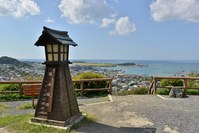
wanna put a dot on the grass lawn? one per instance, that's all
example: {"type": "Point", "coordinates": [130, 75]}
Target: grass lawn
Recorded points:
{"type": "Point", "coordinates": [20, 124]}
{"type": "Point", "coordinates": [3, 106]}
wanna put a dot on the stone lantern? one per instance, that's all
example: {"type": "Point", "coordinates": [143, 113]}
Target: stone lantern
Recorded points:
{"type": "Point", "coordinates": [57, 104]}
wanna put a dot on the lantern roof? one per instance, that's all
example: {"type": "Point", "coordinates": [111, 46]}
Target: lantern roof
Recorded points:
{"type": "Point", "coordinates": [51, 36]}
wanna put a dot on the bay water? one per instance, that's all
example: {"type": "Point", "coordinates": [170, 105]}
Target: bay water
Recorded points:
{"type": "Point", "coordinates": [154, 67]}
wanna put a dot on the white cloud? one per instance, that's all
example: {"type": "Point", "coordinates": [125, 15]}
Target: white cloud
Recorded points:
{"type": "Point", "coordinates": [85, 11]}
{"type": "Point", "coordinates": [95, 12]}
{"type": "Point", "coordinates": [116, 1]}
{"type": "Point", "coordinates": [107, 21]}
{"type": "Point", "coordinates": [123, 26]}
{"type": "Point", "coordinates": [49, 20]}
{"type": "Point", "coordinates": [18, 8]}
{"type": "Point", "coordinates": [188, 10]}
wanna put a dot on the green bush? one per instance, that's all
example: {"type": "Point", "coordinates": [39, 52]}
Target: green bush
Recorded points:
{"type": "Point", "coordinates": [193, 74]}
{"type": "Point", "coordinates": [171, 82]}
{"type": "Point", "coordinates": [193, 83]}
{"type": "Point", "coordinates": [92, 84]}
{"type": "Point", "coordinates": [163, 91]}
{"type": "Point", "coordinates": [13, 97]}
{"type": "Point", "coordinates": [9, 87]}
{"type": "Point", "coordinates": [135, 91]}
{"type": "Point", "coordinates": [90, 75]}
{"type": "Point", "coordinates": [188, 91]}
{"type": "Point", "coordinates": [192, 92]}
{"type": "Point", "coordinates": [140, 91]}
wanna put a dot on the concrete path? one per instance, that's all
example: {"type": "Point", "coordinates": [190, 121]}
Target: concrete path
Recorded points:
{"type": "Point", "coordinates": [144, 114]}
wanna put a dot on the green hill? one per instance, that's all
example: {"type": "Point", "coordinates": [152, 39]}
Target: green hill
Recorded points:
{"type": "Point", "coordinates": [126, 64]}
{"type": "Point", "coordinates": [12, 61]}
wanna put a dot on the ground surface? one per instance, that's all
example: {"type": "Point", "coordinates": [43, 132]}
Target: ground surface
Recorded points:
{"type": "Point", "coordinates": [137, 114]}
{"type": "Point", "coordinates": [145, 114]}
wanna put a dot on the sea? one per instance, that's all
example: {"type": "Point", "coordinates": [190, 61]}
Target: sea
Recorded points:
{"type": "Point", "coordinates": [153, 68]}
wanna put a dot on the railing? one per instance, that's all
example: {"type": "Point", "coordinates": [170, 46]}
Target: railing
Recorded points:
{"type": "Point", "coordinates": [19, 83]}
{"type": "Point", "coordinates": [81, 81]}
{"type": "Point", "coordinates": [153, 86]}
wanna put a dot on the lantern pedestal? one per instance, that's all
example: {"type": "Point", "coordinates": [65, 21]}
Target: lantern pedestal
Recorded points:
{"type": "Point", "coordinates": [57, 104]}
{"type": "Point", "coordinates": [71, 121]}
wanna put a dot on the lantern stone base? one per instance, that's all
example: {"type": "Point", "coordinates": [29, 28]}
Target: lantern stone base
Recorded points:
{"type": "Point", "coordinates": [71, 121]}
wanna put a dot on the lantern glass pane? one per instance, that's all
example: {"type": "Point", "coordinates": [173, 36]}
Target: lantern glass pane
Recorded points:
{"type": "Point", "coordinates": [49, 48]}
{"type": "Point", "coordinates": [65, 57]}
{"type": "Point", "coordinates": [65, 49]}
{"type": "Point", "coordinates": [50, 57]}
{"type": "Point", "coordinates": [55, 57]}
{"type": "Point", "coordinates": [55, 48]}
{"type": "Point", "coordinates": [62, 48]}
{"type": "Point", "coordinates": [62, 57]}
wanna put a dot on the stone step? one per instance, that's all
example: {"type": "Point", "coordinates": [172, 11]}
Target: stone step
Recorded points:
{"type": "Point", "coordinates": [43, 113]}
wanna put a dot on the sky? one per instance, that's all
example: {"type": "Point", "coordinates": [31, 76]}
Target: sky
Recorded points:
{"type": "Point", "coordinates": [103, 29]}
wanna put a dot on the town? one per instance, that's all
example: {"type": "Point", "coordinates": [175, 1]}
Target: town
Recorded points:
{"type": "Point", "coordinates": [35, 71]}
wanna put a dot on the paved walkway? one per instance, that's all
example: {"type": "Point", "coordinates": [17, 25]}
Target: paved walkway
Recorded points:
{"type": "Point", "coordinates": [13, 107]}
{"type": "Point", "coordinates": [144, 114]}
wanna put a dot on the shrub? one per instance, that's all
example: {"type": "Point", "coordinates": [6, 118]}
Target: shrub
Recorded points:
{"type": "Point", "coordinates": [171, 82]}
{"type": "Point", "coordinates": [135, 91]}
{"type": "Point", "coordinates": [92, 84]}
{"type": "Point", "coordinates": [188, 92]}
{"type": "Point", "coordinates": [163, 91]}
{"type": "Point", "coordinates": [13, 97]}
{"type": "Point", "coordinates": [140, 91]}
{"type": "Point", "coordinates": [89, 75]}
{"type": "Point", "coordinates": [9, 87]}
{"type": "Point", "coordinates": [193, 83]}
{"type": "Point", "coordinates": [192, 92]}
{"type": "Point", "coordinates": [193, 74]}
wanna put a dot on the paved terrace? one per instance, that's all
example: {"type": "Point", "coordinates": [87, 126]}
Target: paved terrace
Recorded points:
{"type": "Point", "coordinates": [145, 114]}
{"type": "Point", "coordinates": [137, 114]}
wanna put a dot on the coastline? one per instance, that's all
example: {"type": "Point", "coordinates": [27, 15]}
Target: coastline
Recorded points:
{"type": "Point", "coordinates": [155, 67]}
{"type": "Point", "coordinates": [125, 76]}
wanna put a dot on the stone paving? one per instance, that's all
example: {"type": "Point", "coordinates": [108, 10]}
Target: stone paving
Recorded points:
{"type": "Point", "coordinates": [144, 114]}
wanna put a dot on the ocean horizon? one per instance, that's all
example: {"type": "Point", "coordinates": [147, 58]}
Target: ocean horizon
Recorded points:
{"type": "Point", "coordinates": [154, 67]}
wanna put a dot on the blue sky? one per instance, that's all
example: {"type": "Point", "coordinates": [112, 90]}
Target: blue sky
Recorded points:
{"type": "Point", "coordinates": [104, 29]}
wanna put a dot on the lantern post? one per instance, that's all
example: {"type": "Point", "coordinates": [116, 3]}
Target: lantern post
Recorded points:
{"type": "Point", "coordinates": [57, 104]}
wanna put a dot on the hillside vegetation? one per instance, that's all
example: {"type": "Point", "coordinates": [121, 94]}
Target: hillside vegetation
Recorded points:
{"type": "Point", "coordinates": [12, 61]}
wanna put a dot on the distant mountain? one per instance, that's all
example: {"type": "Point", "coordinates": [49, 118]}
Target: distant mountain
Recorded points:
{"type": "Point", "coordinates": [12, 61]}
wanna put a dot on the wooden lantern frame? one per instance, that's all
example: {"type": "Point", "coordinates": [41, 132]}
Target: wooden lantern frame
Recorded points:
{"type": "Point", "coordinates": [57, 104]}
